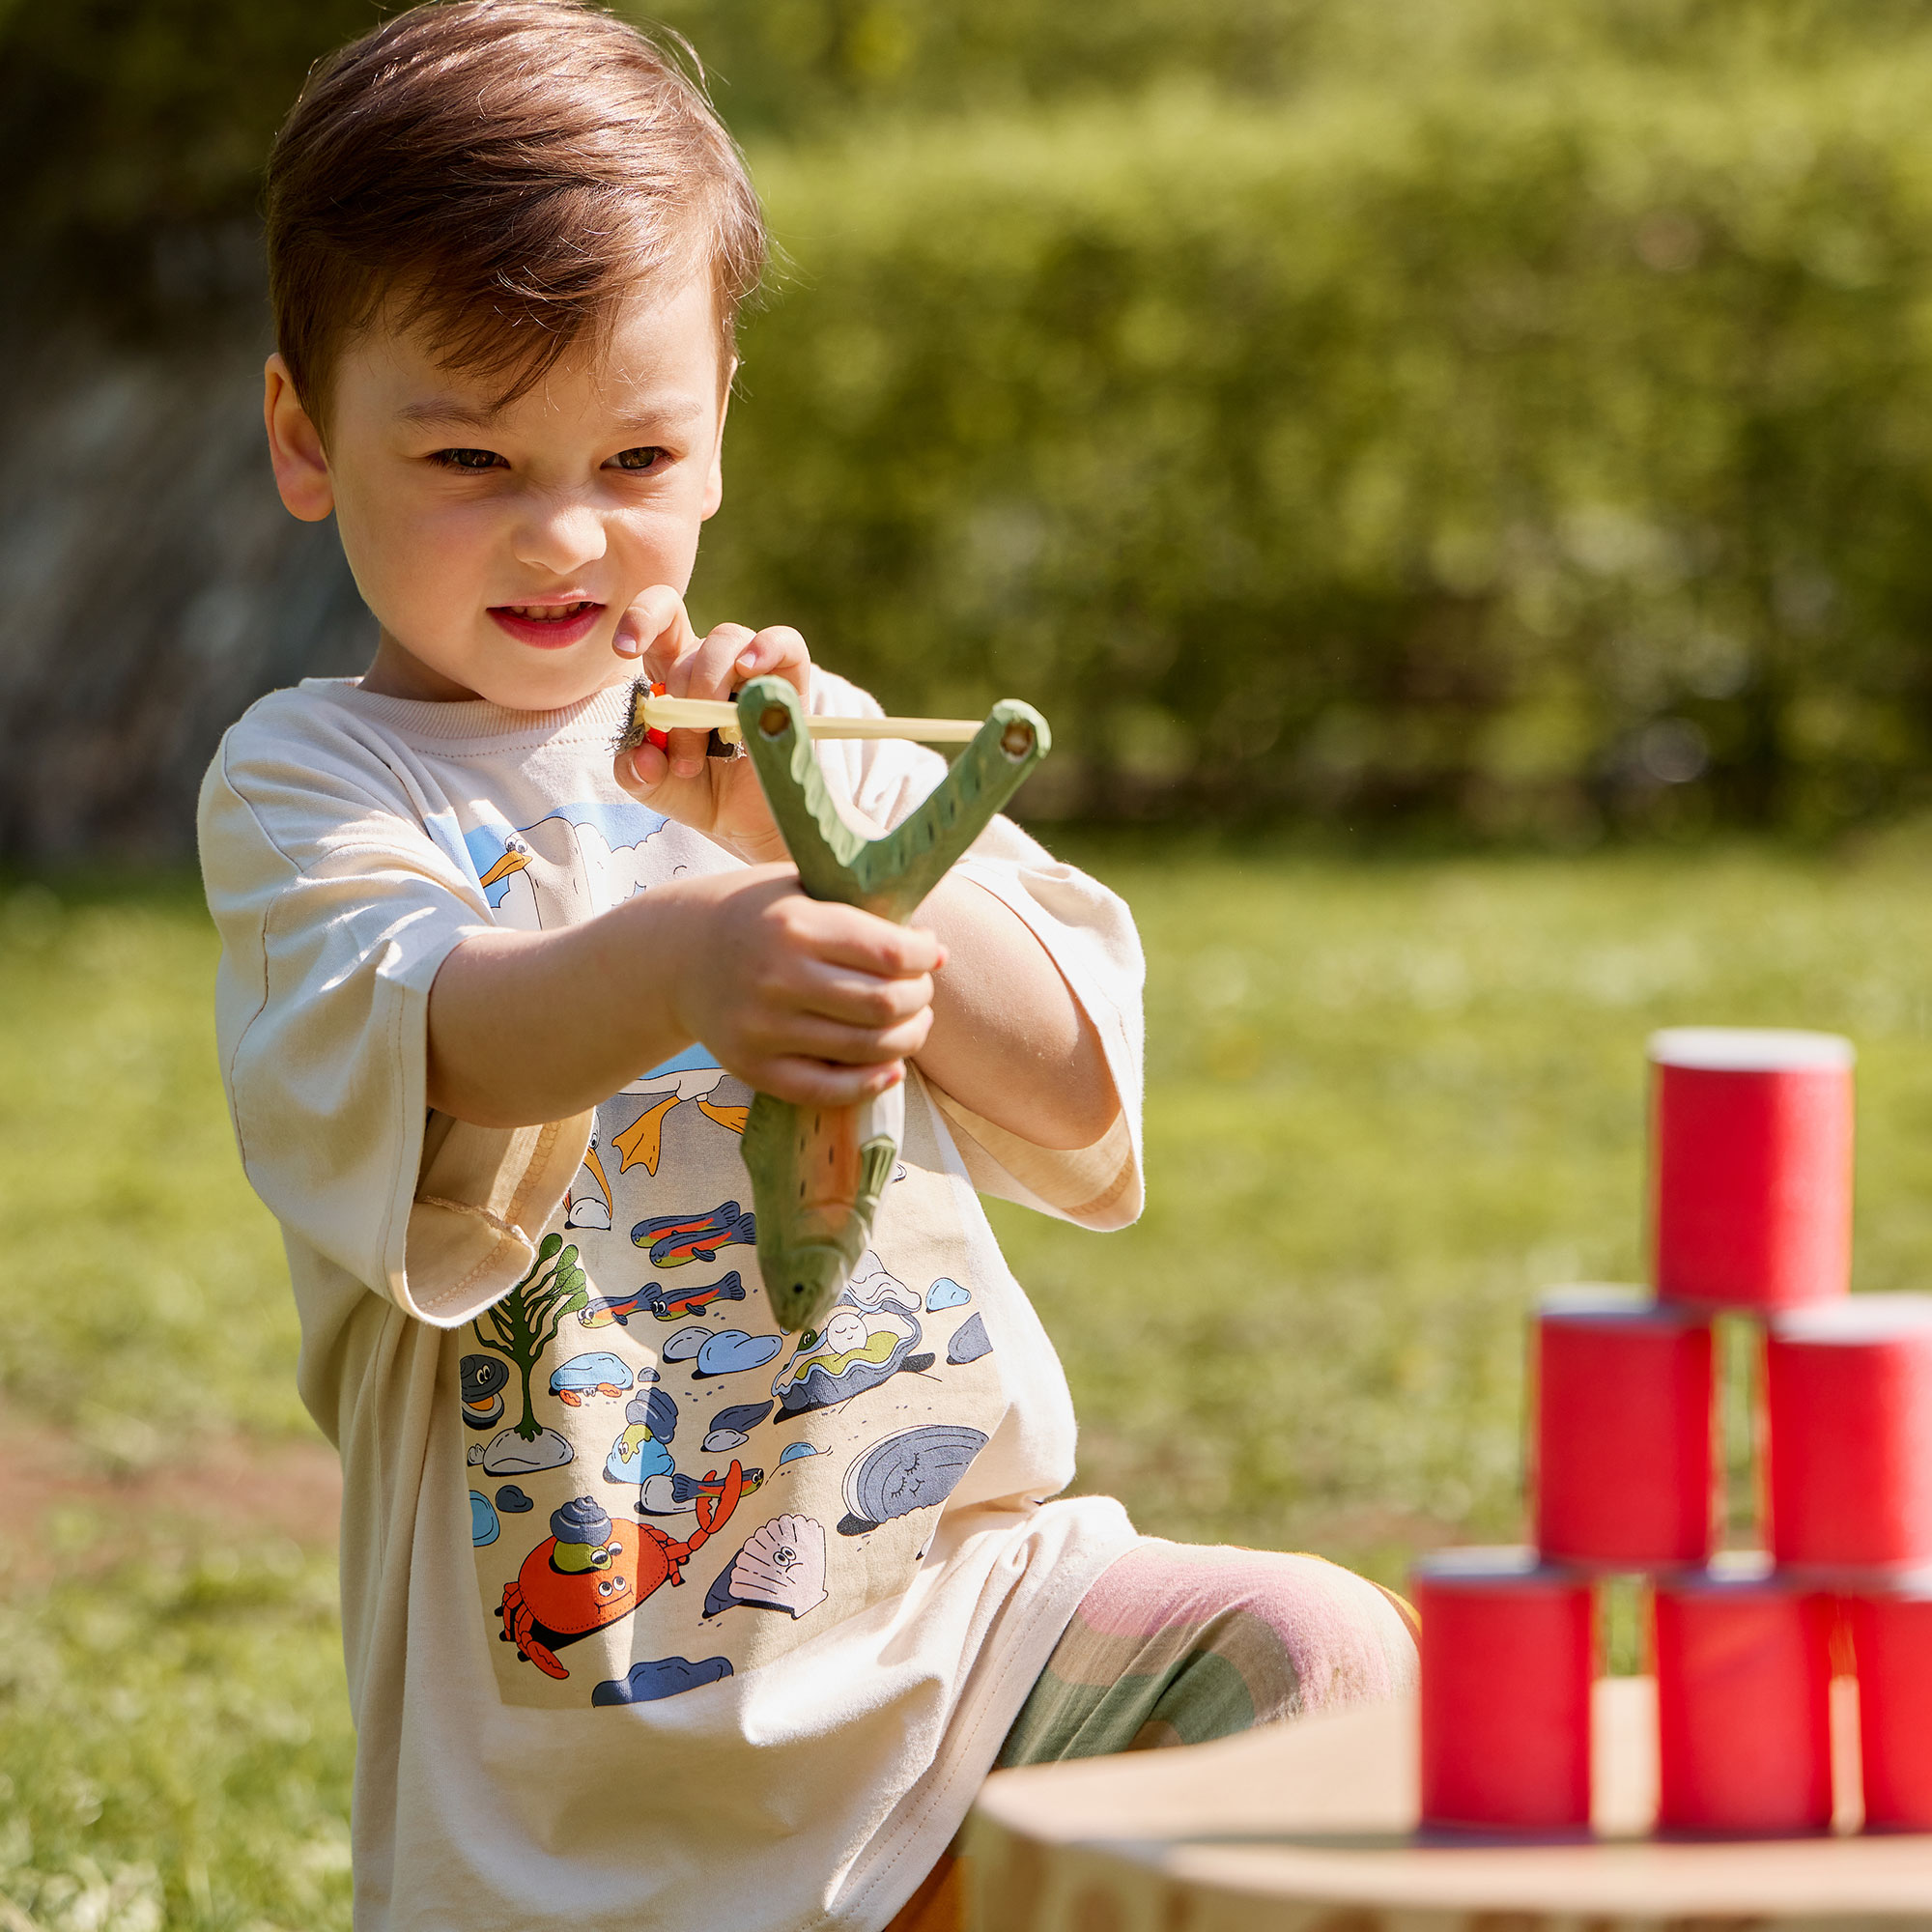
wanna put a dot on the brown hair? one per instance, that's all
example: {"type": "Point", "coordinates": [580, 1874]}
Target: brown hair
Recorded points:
{"type": "Point", "coordinates": [504, 173]}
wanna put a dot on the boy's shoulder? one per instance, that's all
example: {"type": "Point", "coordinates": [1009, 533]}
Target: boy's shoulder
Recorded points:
{"type": "Point", "coordinates": [301, 768]}
{"type": "Point", "coordinates": [311, 714]}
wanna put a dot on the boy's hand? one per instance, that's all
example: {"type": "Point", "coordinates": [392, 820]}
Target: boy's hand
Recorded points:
{"type": "Point", "coordinates": [815, 1003]}
{"type": "Point", "coordinates": [718, 797]}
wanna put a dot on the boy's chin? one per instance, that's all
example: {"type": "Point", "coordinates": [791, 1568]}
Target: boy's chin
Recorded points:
{"type": "Point", "coordinates": [503, 673]}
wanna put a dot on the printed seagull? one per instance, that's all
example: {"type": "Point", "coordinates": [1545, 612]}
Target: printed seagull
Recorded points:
{"type": "Point", "coordinates": [690, 1075]}
{"type": "Point", "coordinates": [584, 1207]}
{"type": "Point", "coordinates": [545, 874]}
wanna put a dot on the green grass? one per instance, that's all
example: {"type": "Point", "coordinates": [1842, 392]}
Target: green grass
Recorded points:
{"type": "Point", "coordinates": [1388, 1101]}
{"type": "Point", "coordinates": [175, 1747]}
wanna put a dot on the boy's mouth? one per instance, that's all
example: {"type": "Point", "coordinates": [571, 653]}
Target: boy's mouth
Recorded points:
{"type": "Point", "coordinates": [548, 626]}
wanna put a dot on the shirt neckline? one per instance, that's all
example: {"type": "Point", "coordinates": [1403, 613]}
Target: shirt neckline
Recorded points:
{"type": "Point", "coordinates": [474, 720]}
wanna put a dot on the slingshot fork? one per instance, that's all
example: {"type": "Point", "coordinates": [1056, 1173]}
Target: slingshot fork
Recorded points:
{"type": "Point", "coordinates": [818, 1173]}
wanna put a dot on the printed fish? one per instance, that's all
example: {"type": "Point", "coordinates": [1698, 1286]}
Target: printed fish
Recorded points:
{"type": "Point", "coordinates": [674, 1239]}
{"type": "Point", "coordinates": [673, 1304]}
{"type": "Point", "coordinates": [667, 1304]}
{"type": "Point", "coordinates": [605, 1309]}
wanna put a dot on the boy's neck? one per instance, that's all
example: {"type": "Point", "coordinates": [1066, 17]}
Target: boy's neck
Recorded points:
{"type": "Point", "coordinates": [396, 672]}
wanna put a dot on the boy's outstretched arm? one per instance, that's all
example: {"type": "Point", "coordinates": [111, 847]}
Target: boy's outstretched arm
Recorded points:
{"type": "Point", "coordinates": [814, 1002]}
{"type": "Point", "coordinates": [1009, 1039]}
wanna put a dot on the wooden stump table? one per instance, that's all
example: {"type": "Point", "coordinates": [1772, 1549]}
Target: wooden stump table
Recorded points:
{"type": "Point", "coordinates": [1311, 1827]}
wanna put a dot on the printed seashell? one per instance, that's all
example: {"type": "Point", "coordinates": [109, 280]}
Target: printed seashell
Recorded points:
{"type": "Point", "coordinates": [968, 1343]}
{"type": "Point", "coordinates": [918, 1468]}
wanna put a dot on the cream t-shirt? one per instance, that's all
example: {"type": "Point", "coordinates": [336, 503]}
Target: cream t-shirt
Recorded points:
{"type": "Point", "coordinates": [654, 1616]}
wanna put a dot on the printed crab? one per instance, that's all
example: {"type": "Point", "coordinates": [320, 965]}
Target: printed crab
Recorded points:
{"type": "Point", "coordinates": [607, 1570]}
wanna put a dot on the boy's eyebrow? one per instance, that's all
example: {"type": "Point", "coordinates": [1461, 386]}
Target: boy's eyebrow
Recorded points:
{"type": "Point", "coordinates": [673, 411]}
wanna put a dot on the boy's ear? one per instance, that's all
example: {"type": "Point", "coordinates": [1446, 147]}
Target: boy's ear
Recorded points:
{"type": "Point", "coordinates": [295, 448]}
{"type": "Point", "coordinates": [713, 483]}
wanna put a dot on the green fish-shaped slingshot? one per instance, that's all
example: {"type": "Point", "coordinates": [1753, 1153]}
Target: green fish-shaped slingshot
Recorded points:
{"type": "Point", "coordinates": [817, 1173]}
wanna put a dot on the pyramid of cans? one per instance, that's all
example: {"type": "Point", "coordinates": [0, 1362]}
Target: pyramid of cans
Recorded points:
{"type": "Point", "coordinates": [1751, 1195]}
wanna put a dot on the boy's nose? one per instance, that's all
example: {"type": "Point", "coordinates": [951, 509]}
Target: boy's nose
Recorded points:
{"type": "Point", "coordinates": [559, 534]}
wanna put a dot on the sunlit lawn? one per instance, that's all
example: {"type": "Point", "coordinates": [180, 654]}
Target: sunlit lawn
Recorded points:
{"type": "Point", "coordinates": [1387, 1102]}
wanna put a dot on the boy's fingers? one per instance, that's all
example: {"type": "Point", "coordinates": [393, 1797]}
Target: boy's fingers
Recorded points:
{"type": "Point", "coordinates": [892, 953]}
{"type": "Point", "coordinates": [864, 999]}
{"type": "Point", "coordinates": [642, 770]}
{"type": "Point", "coordinates": [779, 650]}
{"type": "Point", "coordinates": [842, 935]}
{"type": "Point", "coordinates": [840, 1046]}
{"type": "Point", "coordinates": [711, 672]}
{"type": "Point", "coordinates": [705, 672]}
{"type": "Point", "coordinates": [811, 1083]}
{"type": "Point", "coordinates": [659, 627]}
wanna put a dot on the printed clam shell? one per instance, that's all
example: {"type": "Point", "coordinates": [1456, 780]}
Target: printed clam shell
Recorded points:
{"type": "Point", "coordinates": [918, 1468]}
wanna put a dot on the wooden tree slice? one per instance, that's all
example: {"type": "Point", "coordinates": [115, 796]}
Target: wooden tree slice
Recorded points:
{"type": "Point", "coordinates": [1311, 1827]}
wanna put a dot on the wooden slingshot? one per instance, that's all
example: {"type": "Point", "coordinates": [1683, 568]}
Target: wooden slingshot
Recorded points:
{"type": "Point", "coordinates": [818, 1173]}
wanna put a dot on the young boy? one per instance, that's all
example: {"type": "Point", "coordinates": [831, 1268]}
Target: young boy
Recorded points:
{"type": "Point", "coordinates": [655, 1616]}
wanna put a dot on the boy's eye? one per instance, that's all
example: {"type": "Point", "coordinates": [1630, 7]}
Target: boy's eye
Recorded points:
{"type": "Point", "coordinates": [638, 458]}
{"type": "Point", "coordinates": [468, 459]}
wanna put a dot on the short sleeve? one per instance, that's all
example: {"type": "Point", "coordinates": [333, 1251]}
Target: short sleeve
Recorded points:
{"type": "Point", "coordinates": [336, 909]}
{"type": "Point", "coordinates": [1088, 934]}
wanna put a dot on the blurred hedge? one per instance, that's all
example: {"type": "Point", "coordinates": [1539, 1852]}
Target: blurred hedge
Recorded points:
{"type": "Point", "coordinates": [1470, 409]}
{"type": "Point", "coordinates": [1542, 453]}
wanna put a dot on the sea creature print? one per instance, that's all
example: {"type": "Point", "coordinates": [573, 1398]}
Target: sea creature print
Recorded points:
{"type": "Point", "coordinates": [664, 1304]}
{"type": "Point", "coordinates": [586, 1375]}
{"type": "Point", "coordinates": [674, 1241]}
{"type": "Point", "coordinates": [869, 1336]}
{"type": "Point", "coordinates": [674, 1305]}
{"type": "Point", "coordinates": [782, 1567]}
{"type": "Point", "coordinates": [484, 1379]}
{"type": "Point", "coordinates": [642, 1454]}
{"type": "Point", "coordinates": [913, 1469]}
{"type": "Point", "coordinates": [590, 1202]}
{"type": "Point", "coordinates": [571, 863]}
{"type": "Point", "coordinates": [693, 1075]}
{"type": "Point", "coordinates": [551, 1604]}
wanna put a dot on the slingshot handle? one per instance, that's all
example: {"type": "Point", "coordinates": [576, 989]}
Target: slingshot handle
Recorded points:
{"type": "Point", "coordinates": [818, 1174]}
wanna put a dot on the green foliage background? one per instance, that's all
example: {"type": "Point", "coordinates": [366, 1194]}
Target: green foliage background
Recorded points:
{"type": "Point", "coordinates": [1461, 410]}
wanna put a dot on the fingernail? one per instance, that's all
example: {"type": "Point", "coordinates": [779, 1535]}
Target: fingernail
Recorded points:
{"type": "Point", "coordinates": [748, 662]}
{"type": "Point", "coordinates": [626, 647]}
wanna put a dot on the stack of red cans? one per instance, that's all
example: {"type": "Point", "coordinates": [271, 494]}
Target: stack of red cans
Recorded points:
{"type": "Point", "coordinates": [1751, 1222]}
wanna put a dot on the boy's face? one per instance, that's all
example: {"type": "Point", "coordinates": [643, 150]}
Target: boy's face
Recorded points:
{"type": "Point", "coordinates": [498, 547]}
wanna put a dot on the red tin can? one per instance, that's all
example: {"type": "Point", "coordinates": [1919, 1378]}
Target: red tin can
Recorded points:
{"type": "Point", "coordinates": [1623, 1470]}
{"type": "Point", "coordinates": [1751, 1166]}
{"type": "Point", "coordinates": [1891, 1637]}
{"type": "Point", "coordinates": [1744, 1722]}
{"type": "Point", "coordinates": [1848, 1390]}
{"type": "Point", "coordinates": [1507, 1652]}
